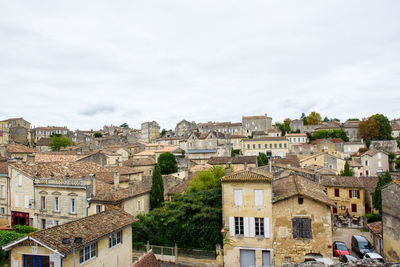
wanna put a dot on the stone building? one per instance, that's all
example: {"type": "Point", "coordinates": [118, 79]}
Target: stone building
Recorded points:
{"type": "Point", "coordinates": [47, 131]}
{"type": "Point", "coordinates": [374, 162]}
{"type": "Point", "coordinates": [256, 123]}
{"type": "Point", "coordinates": [238, 163]}
{"type": "Point", "coordinates": [150, 131]}
{"type": "Point", "coordinates": [222, 127]}
{"type": "Point", "coordinates": [351, 130]}
{"type": "Point", "coordinates": [184, 128]}
{"type": "Point", "coordinates": [271, 146]}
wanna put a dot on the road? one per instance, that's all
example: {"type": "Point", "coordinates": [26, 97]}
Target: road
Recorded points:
{"type": "Point", "coordinates": [345, 234]}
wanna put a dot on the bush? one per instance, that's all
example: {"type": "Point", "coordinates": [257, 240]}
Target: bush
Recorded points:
{"type": "Point", "coordinates": [7, 237]}
{"type": "Point", "coordinates": [373, 217]}
{"type": "Point", "coordinates": [24, 229]}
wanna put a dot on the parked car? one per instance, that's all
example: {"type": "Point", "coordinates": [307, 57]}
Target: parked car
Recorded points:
{"type": "Point", "coordinates": [360, 245]}
{"type": "Point", "coordinates": [339, 248]}
{"type": "Point", "coordinates": [347, 258]}
{"type": "Point", "coordinates": [373, 255]}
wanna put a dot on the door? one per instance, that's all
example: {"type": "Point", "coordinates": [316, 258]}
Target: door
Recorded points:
{"type": "Point", "coordinates": [247, 257]}
{"type": "Point", "coordinates": [353, 207]}
{"type": "Point", "coordinates": [266, 258]}
{"type": "Point", "coordinates": [21, 218]}
{"type": "Point", "coordinates": [36, 261]}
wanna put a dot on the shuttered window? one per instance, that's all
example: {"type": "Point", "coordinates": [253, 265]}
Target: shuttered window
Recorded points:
{"type": "Point", "coordinates": [258, 197]}
{"type": "Point", "coordinates": [237, 197]}
{"type": "Point", "coordinates": [302, 228]}
{"type": "Point", "coordinates": [239, 226]}
{"type": "Point", "coordinates": [337, 192]}
{"type": "Point", "coordinates": [259, 225]}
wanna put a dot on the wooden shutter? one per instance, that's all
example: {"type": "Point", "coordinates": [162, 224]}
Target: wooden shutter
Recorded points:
{"type": "Point", "coordinates": [27, 202]}
{"type": "Point", "coordinates": [258, 197]}
{"type": "Point", "coordinates": [231, 226]}
{"type": "Point", "coordinates": [252, 227]}
{"type": "Point", "coordinates": [358, 193]}
{"type": "Point", "coordinates": [350, 193]}
{"type": "Point", "coordinates": [237, 197]}
{"type": "Point", "coordinates": [302, 228]}
{"type": "Point", "coordinates": [16, 201]}
{"type": "Point", "coordinates": [246, 226]}
{"type": "Point", "coordinates": [307, 230]}
{"type": "Point", "coordinates": [266, 228]}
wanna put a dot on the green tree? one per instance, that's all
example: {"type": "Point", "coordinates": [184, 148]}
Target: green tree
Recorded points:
{"type": "Point", "coordinates": [398, 143]}
{"type": "Point", "coordinates": [98, 134]}
{"type": "Point", "coordinates": [208, 179]}
{"type": "Point", "coordinates": [124, 125]}
{"type": "Point", "coordinates": [167, 163]}
{"type": "Point", "coordinates": [7, 237]}
{"type": "Point", "coordinates": [56, 142]}
{"type": "Point", "coordinates": [284, 127]}
{"type": "Point", "coordinates": [163, 132]}
{"type": "Point", "coordinates": [314, 118]}
{"type": "Point", "coordinates": [157, 189]}
{"type": "Point", "coordinates": [385, 129]}
{"type": "Point", "coordinates": [262, 159]}
{"type": "Point", "coordinates": [303, 118]}
{"type": "Point", "coordinates": [336, 133]}
{"type": "Point", "coordinates": [376, 195]}
{"type": "Point", "coordinates": [235, 152]}
{"type": "Point", "coordinates": [346, 171]}
{"type": "Point", "coordinates": [369, 129]}
{"type": "Point", "coordinates": [353, 119]}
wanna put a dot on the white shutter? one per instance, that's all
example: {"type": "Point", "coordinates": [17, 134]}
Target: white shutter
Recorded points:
{"type": "Point", "coordinates": [3, 191]}
{"type": "Point", "coordinates": [266, 228]}
{"type": "Point", "coordinates": [19, 180]}
{"type": "Point", "coordinates": [231, 226]}
{"type": "Point", "coordinates": [26, 202]}
{"type": "Point", "coordinates": [238, 197]}
{"type": "Point", "coordinates": [16, 201]}
{"type": "Point", "coordinates": [246, 226]}
{"type": "Point", "coordinates": [258, 197]}
{"type": "Point", "coordinates": [252, 227]}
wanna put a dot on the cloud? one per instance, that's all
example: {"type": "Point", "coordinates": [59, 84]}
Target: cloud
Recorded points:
{"type": "Point", "coordinates": [96, 110]}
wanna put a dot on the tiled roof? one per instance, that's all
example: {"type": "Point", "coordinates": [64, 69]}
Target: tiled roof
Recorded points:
{"type": "Point", "coordinates": [105, 192]}
{"type": "Point", "coordinates": [147, 260]}
{"type": "Point", "coordinates": [248, 176]}
{"type": "Point", "coordinates": [369, 183]}
{"type": "Point", "coordinates": [44, 141]}
{"type": "Point", "coordinates": [333, 140]}
{"type": "Point", "coordinates": [294, 185]}
{"type": "Point", "coordinates": [123, 170]}
{"type": "Point", "coordinates": [89, 228]}
{"type": "Point", "coordinates": [376, 228]}
{"type": "Point", "coordinates": [139, 162]}
{"type": "Point", "coordinates": [293, 160]}
{"type": "Point", "coordinates": [14, 148]}
{"type": "Point", "coordinates": [396, 127]}
{"type": "Point", "coordinates": [354, 163]}
{"type": "Point", "coordinates": [233, 160]}
{"type": "Point", "coordinates": [272, 138]}
{"type": "Point", "coordinates": [341, 181]}
{"type": "Point", "coordinates": [42, 157]}
{"type": "Point", "coordinates": [372, 152]}
{"type": "Point", "coordinates": [3, 167]}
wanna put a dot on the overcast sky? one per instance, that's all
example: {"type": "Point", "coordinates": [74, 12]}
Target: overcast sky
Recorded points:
{"type": "Point", "coordinates": [85, 64]}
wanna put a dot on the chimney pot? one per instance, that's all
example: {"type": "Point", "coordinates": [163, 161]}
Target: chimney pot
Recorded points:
{"type": "Point", "coordinates": [116, 179]}
{"type": "Point", "coordinates": [93, 179]}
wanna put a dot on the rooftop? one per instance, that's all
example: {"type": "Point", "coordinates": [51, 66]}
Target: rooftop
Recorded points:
{"type": "Point", "coordinates": [233, 160]}
{"type": "Point", "coordinates": [341, 181]}
{"type": "Point", "coordinates": [15, 148]}
{"type": "Point", "coordinates": [248, 176]}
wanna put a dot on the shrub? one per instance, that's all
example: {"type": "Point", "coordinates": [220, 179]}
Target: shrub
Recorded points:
{"type": "Point", "coordinates": [7, 237]}
{"type": "Point", "coordinates": [373, 217]}
{"type": "Point", "coordinates": [24, 229]}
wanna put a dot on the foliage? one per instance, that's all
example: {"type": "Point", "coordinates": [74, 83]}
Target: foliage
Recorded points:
{"type": "Point", "coordinates": [296, 131]}
{"type": "Point", "coordinates": [208, 179]}
{"type": "Point", "coordinates": [368, 129]}
{"type": "Point", "coordinates": [392, 157]}
{"type": "Point", "coordinates": [353, 119]}
{"type": "Point", "coordinates": [398, 143]}
{"type": "Point", "coordinates": [167, 163]}
{"type": "Point", "coordinates": [7, 237]}
{"type": "Point", "coordinates": [157, 189]}
{"type": "Point", "coordinates": [385, 129]}
{"type": "Point", "coordinates": [376, 195]}
{"type": "Point", "coordinates": [235, 152]}
{"type": "Point", "coordinates": [373, 217]}
{"type": "Point", "coordinates": [124, 125]}
{"type": "Point", "coordinates": [303, 118]}
{"type": "Point", "coordinates": [163, 132]}
{"type": "Point", "coordinates": [336, 133]}
{"type": "Point", "coordinates": [314, 118]}
{"type": "Point", "coordinates": [368, 143]}
{"type": "Point", "coordinates": [191, 220]}
{"type": "Point", "coordinates": [24, 229]}
{"type": "Point", "coordinates": [56, 142]}
{"type": "Point", "coordinates": [284, 127]}
{"type": "Point", "coordinates": [251, 136]}
{"type": "Point", "coordinates": [326, 119]}
{"type": "Point", "coordinates": [362, 149]}
{"type": "Point", "coordinates": [98, 134]}
{"type": "Point", "coordinates": [262, 159]}
{"type": "Point", "coordinates": [346, 171]}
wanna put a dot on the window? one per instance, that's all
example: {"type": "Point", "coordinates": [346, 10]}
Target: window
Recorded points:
{"type": "Point", "coordinates": [259, 226]}
{"type": "Point", "coordinates": [259, 145]}
{"type": "Point", "coordinates": [26, 202]}
{"type": "Point", "coordinates": [302, 228]}
{"type": "Point", "coordinates": [2, 210]}
{"type": "Point", "coordinates": [56, 204]}
{"type": "Point", "coordinates": [19, 180]}
{"type": "Point", "coordinates": [88, 253]}
{"type": "Point", "coordinates": [254, 146]}
{"type": "Point", "coordinates": [115, 239]}
{"type": "Point", "coordinates": [73, 205]}
{"type": "Point", "coordinates": [248, 146]}
{"type": "Point", "coordinates": [280, 145]}
{"type": "Point", "coordinates": [42, 202]}
{"type": "Point", "coordinates": [379, 155]}
{"type": "Point", "coordinates": [3, 191]}
{"type": "Point", "coordinates": [337, 192]}
{"type": "Point", "coordinates": [16, 201]}
{"type": "Point", "coordinates": [239, 226]}
{"type": "Point", "coordinates": [379, 164]}
{"type": "Point", "coordinates": [56, 223]}
{"type": "Point", "coordinates": [258, 197]}
{"type": "Point", "coordinates": [284, 145]}
{"type": "Point", "coordinates": [354, 193]}
{"type": "Point", "coordinates": [237, 195]}
{"type": "Point", "coordinates": [43, 224]}
{"type": "Point", "coordinates": [275, 146]}
{"type": "Point", "coordinates": [300, 200]}
{"type": "Point", "coordinates": [266, 145]}
{"type": "Point", "coordinates": [270, 145]}
{"type": "Point", "coordinates": [366, 163]}
{"type": "Point", "coordinates": [98, 208]}
{"type": "Point", "coordinates": [353, 207]}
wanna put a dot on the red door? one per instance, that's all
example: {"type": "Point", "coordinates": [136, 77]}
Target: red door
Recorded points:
{"type": "Point", "coordinates": [353, 207]}
{"type": "Point", "coordinates": [21, 218]}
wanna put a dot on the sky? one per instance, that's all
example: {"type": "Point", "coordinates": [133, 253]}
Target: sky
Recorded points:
{"type": "Point", "coordinates": [86, 64]}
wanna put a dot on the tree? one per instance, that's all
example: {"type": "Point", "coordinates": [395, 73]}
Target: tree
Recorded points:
{"type": "Point", "coordinates": [336, 133]}
{"type": "Point", "coordinates": [385, 129]}
{"type": "Point", "coordinates": [157, 189]}
{"type": "Point", "coordinates": [284, 127]}
{"type": "Point", "coordinates": [124, 125]}
{"type": "Point", "coordinates": [376, 195]}
{"type": "Point", "coordinates": [98, 135]}
{"type": "Point", "coordinates": [369, 129]}
{"type": "Point", "coordinates": [163, 132]}
{"type": "Point", "coordinates": [208, 179]}
{"type": "Point", "coordinates": [303, 118]}
{"type": "Point", "coordinates": [56, 142]}
{"type": "Point", "coordinates": [353, 119]}
{"type": "Point", "coordinates": [235, 152]}
{"type": "Point", "coordinates": [346, 171]}
{"type": "Point", "coordinates": [167, 163]}
{"type": "Point", "coordinates": [314, 118]}
{"type": "Point", "coordinates": [262, 159]}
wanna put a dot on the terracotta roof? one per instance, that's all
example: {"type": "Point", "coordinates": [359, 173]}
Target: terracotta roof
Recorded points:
{"type": "Point", "coordinates": [44, 141]}
{"type": "Point", "coordinates": [248, 176]}
{"type": "Point", "coordinates": [3, 167]}
{"type": "Point", "coordinates": [15, 149]}
{"type": "Point", "coordinates": [354, 163]}
{"type": "Point", "coordinates": [272, 138]}
{"type": "Point", "coordinates": [341, 181]}
{"type": "Point", "coordinates": [147, 260]}
{"type": "Point", "coordinates": [294, 185]}
{"type": "Point", "coordinates": [139, 162]}
{"type": "Point", "coordinates": [40, 157]}
{"type": "Point", "coordinates": [376, 228]}
{"type": "Point", "coordinates": [233, 160]}
{"type": "Point", "coordinates": [293, 160]}
{"type": "Point", "coordinates": [369, 183]}
{"type": "Point", "coordinates": [123, 170]}
{"type": "Point", "coordinates": [372, 152]}
{"type": "Point", "coordinates": [106, 192]}
{"type": "Point", "coordinates": [3, 158]}
{"type": "Point", "coordinates": [89, 228]}
{"type": "Point", "coordinates": [396, 127]}
{"type": "Point", "coordinates": [333, 140]}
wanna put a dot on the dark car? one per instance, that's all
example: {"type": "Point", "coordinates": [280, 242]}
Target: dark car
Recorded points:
{"type": "Point", "coordinates": [360, 245]}
{"type": "Point", "coordinates": [347, 258]}
{"type": "Point", "coordinates": [339, 248]}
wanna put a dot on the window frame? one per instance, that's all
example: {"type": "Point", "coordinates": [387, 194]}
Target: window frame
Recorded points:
{"type": "Point", "coordinates": [43, 203]}
{"type": "Point", "coordinates": [73, 205]}
{"type": "Point", "coordinates": [115, 239]}
{"type": "Point", "coordinates": [300, 226]}
{"type": "Point", "coordinates": [259, 227]}
{"type": "Point", "coordinates": [56, 204]}
{"type": "Point", "coordinates": [239, 226]}
{"type": "Point", "coordinates": [90, 251]}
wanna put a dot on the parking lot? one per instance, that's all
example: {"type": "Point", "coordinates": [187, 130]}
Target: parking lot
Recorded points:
{"type": "Point", "coordinates": [345, 234]}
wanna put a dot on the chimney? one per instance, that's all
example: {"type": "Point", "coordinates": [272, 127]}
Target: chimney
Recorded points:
{"type": "Point", "coordinates": [30, 159]}
{"type": "Point", "coordinates": [116, 180]}
{"type": "Point", "coordinates": [93, 179]}
{"type": "Point", "coordinates": [228, 170]}
{"type": "Point", "coordinates": [270, 165]}
{"type": "Point", "coordinates": [140, 176]}
{"type": "Point", "coordinates": [246, 168]}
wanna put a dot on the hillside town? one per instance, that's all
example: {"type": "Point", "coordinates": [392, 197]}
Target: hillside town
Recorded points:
{"type": "Point", "coordinates": [252, 192]}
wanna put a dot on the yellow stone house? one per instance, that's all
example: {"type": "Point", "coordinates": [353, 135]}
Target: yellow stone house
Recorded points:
{"type": "Point", "coordinates": [271, 146]}
{"type": "Point", "coordinates": [97, 240]}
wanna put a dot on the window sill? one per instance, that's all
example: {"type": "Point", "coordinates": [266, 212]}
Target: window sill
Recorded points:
{"type": "Point", "coordinates": [72, 213]}
{"type": "Point", "coordinates": [117, 245]}
{"type": "Point", "coordinates": [84, 262]}
{"type": "Point", "coordinates": [56, 211]}
{"type": "Point", "coordinates": [42, 210]}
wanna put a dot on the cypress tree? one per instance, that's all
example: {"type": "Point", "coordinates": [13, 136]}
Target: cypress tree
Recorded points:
{"type": "Point", "coordinates": [157, 189]}
{"type": "Point", "coordinates": [347, 171]}
{"type": "Point", "coordinates": [376, 195]}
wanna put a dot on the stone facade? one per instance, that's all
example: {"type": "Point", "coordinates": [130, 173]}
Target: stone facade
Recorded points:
{"type": "Point", "coordinates": [256, 123]}
{"type": "Point", "coordinates": [150, 131]}
{"type": "Point", "coordinates": [184, 128]}
{"type": "Point", "coordinates": [271, 146]}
